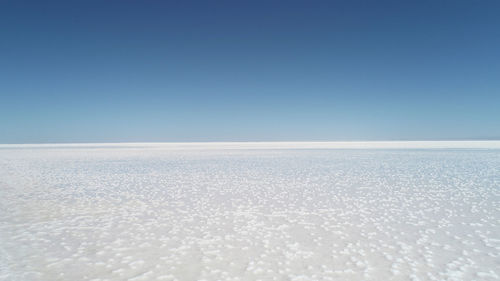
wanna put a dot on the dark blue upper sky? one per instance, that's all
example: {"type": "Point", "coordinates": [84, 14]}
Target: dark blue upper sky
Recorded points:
{"type": "Point", "coordinates": [112, 71]}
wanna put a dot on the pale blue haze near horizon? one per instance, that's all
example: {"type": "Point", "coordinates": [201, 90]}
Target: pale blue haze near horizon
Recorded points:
{"type": "Point", "coordinates": [139, 71]}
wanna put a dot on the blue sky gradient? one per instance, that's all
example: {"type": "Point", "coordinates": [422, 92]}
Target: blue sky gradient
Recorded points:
{"type": "Point", "coordinates": [118, 71]}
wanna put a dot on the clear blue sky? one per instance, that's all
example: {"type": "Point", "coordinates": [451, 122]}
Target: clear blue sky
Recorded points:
{"type": "Point", "coordinates": [116, 71]}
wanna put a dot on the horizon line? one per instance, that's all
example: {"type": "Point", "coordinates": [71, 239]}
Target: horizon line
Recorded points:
{"type": "Point", "coordinates": [259, 141]}
{"type": "Point", "coordinates": [413, 144]}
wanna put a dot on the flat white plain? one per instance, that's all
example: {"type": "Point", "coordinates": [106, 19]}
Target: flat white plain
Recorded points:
{"type": "Point", "coordinates": [249, 211]}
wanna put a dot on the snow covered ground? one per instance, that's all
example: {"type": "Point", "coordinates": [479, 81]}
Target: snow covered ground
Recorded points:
{"type": "Point", "coordinates": [249, 211]}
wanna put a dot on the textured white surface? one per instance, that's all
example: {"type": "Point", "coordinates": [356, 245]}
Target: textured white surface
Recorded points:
{"type": "Point", "coordinates": [262, 211]}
